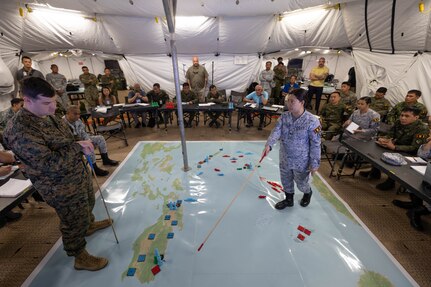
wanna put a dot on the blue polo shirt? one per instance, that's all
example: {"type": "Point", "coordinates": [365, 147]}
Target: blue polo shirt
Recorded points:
{"type": "Point", "coordinates": [253, 96]}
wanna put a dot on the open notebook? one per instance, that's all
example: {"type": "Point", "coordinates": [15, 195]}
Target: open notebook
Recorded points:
{"type": "Point", "coordinates": [14, 187]}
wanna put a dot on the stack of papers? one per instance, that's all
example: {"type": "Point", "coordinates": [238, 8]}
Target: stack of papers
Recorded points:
{"type": "Point", "coordinates": [206, 104]}
{"type": "Point", "coordinates": [415, 159]}
{"type": "Point", "coordinates": [273, 109]}
{"type": "Point", "coordinates": [14, 187]}
{"type": "Point", "coordinates": [278, 106]}
{"type": "Point", "coordinates": [419, 168]}
{"type": "Point", "coordinates": [102, 110]}
{"type": "Point", "coordinates": [352, 127]}
{"type": "Point", "coordinates": [251, 105]}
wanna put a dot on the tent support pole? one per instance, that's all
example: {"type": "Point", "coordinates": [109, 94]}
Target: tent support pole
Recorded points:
{"type": "Point", "coordinates": [170, 9]}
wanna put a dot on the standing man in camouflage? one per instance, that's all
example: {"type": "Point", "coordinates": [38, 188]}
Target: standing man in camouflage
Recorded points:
{"type": "Point", "coordinates": [27, 71]}
{"type": "Point", "coordinates": [411, 100]}
{"type": "Point", "coordinates": [280, 73]}
{"type": "Point", "coordinates": [197, 78]}
{"type": "Point", "coordinates": [90, 84]}
{"type": "Point", "coordinates": [299, 134]}
{"type": "Point", "coordinates": [331, 116]}
{"type": "Point", "coordinates": [6, 115]}
{"type": "Point", "coordinates": [59, 82]}
{"type": "Point", "coordinates": [317, 77]}
{"type": "Point", "coordinates": [53, 162]}
{"type": "Point", "coordinates": [380, 104]}
{"type": "Point", "coordinates": [108, 80]}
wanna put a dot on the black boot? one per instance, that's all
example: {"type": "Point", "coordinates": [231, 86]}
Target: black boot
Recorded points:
{"type": "Point", "coordinates": [99, 171]}
{"type": "Point", "coordinates": [386, 185]}
{"type": "Point", "coordinates": [285, 203]}
{"type": "Point", "coordinates": [306, 198]}
{"type": "Point", "coordinates": [107, 161]}
{"type": "Point", "coordinates": [415, 202]}
{"type": "Point", "coordinates": [415, 217]}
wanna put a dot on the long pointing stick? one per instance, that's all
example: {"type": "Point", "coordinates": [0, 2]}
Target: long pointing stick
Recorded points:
{"type": "Point", "coordinates": [229, 205]}
{"type": "Point", "coordinates": [88, 157]}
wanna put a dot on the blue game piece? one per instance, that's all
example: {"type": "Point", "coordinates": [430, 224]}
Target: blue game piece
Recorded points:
{"type": "Point", "coordinates": [179, 201]}
{"type": "Point", "coordinates": [167, 217]}
{"type": "Point", "coordinates": [200, 173]}
{"type": "Point", "coordinates": [190, 199]}
{"type": "Point", "coordinates": [131, 272]}
{"type": "Point", "coordinates": [174, 222]}
{"type": "Point", "coordinates": [141, 258]}
{"type": "Point", "coordinates": [221, 174]}
{"type": "Point", "coordinates": [170, 235]}
{"type": "Point", "coordinates": [234, 158]}
{"type": "Point", "coordinates": [151, 236]}
{"type": "Point", "coordinates": [199, 166]}
{"type": "Point", "coordinates": [221, 149]}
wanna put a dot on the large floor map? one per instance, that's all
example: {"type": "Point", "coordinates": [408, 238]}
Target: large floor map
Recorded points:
{"type": "Point", "coordinates": [156, 205]}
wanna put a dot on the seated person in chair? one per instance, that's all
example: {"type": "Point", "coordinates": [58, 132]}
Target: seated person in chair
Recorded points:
{"type": "Point", "coordinates": [214, 96]}
{"type": "Point", "coordinates": [331, 116]}
{"type": "Point", "coordinates": [380, 104]}
{"type": "Point", "coordinates": [411, 100]}
{"type": "Point", "coordinates": [416, 206]}
{"type": "Point", "coordinates": [73, 121]}
{"type": "Point", "coordinates": [367, 119]}
{"type": "Point", "coordinates": [288, 87]}
{"type": "Point", "coordinates": [188, 97]}
{"type": "Point", "coordinates": [6, 115]}
{"type": "Point", "coordinates": [137, 95]}
{"type": "Point", "coordinates": [348, 98]}
{"type": "Point", "coordinates": [158, 96]}
{"type": "Point", "coordinates": [260, 97]}
{"type": "Point", "coordinates": [108, 100]}
{"type": "Point", "coordinates": [406, 135]}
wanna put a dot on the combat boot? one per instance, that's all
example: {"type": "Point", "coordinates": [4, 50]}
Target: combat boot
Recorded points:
{"type": "Point", "coordinates": [97, 225]}
{"type": "Point", "coordinates": [85, 261]}
{"type": "Point", "coordinates": [107, 161]}
{"type": "Point", "coordinates": [285, 203]}
{"type": "Point", "coordinates": [306, 198]}
{"type": "Point", "coordinates": [415, 217]}
{"type": "Point", "coordinates": [99, 171]}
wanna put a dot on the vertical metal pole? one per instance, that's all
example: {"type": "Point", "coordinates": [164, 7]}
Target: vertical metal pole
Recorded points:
{"type": "Point", "coordinates": [170, 7]}
{"type": "Point", "coordinates": [179, 102]}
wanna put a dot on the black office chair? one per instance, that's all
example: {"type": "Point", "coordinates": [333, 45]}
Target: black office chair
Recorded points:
{"type": "Point", "coordinates": [237, 97]}
{"type": "Point", "coordinates": [104, 125]}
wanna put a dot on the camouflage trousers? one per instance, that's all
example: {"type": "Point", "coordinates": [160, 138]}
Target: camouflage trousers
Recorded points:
{"type": "Point", "coordinates": [332, 129]}
{"type": "Point", "coordinates": [100, 142]}
{"type": "Point", "coordinates": [289, 177]}
{"type": "Point", "coordinates": [73, 200]}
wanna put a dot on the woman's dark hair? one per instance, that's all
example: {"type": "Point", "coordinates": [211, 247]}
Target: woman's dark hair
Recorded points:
{"type": "Point", "coordinates": [300, 94]}
{"type": "Point", "coordinates": [366, 99]}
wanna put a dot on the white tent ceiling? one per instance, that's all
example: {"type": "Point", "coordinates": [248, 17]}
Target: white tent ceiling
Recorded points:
{"type": "Point", "coordinates": [136, 30]}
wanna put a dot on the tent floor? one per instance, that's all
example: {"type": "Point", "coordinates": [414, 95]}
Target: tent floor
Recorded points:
{"type": "Point", "coordinates": [22, 246]}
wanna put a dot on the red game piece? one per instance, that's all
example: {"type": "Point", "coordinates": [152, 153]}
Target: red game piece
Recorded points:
{"type": "Point", "coordinates": [240, 156]}
{"type": "Point", "coordinates": [216, 169]}
{"type": "Point", "coordinates": [233, 161]}
{"type": "Point", "coordinates": [301, 237]}
{"type": "Point", "coordinates": [155, 270]}
{"type": "Point", "coordinates": [274, 188]}
{"type": "Point", "coordinates": [262, 196]}
{"type": "Point", "coordinates": [201, 162]}
{"type": "Point", "coordinates": [308, 232]}
{"type": "Point", "coordinates": [226, 155]}
{"type": "Point", "coordinates": [301, 228]}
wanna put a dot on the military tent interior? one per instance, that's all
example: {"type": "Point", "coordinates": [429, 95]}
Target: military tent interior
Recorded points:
{"type": "Point", "coordinates": [386, 41]}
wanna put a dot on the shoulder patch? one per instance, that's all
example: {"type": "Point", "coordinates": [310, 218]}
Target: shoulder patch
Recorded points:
{"type": "Point", "coordinates": [421, 136]}
{"type": "Point", "coordinates": [317, 130]}
{"type": "Point", "coordinates": [376, 120]}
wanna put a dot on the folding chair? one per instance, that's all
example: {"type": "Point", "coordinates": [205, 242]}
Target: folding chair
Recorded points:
{"type": "Point", "coordinates": [113, 129]}
{"type": "Point", "coordinates": [236, 97]}
{"type": "Point", "coordinates": [333, 150]}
